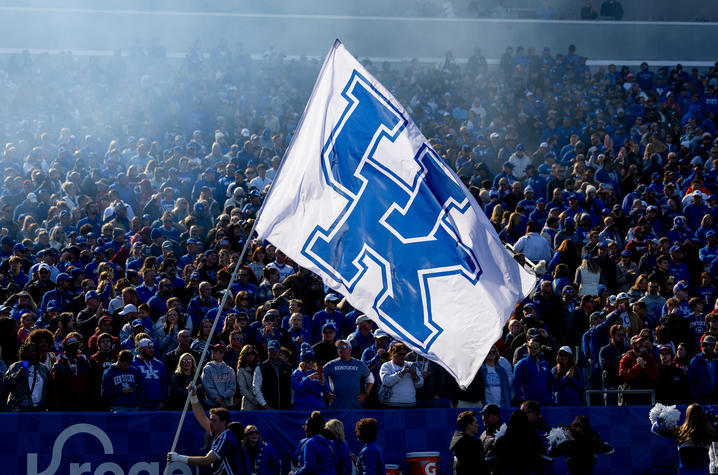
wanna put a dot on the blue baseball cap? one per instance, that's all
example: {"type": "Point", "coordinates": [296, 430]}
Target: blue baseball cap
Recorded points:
{"type": "Point", "coordinates": [63, 276]}
{"type": "Point", "coordinates": [329, 325]}
{"type": "Point", "coordinates": [681, 285]}
{"type": "Point", "coordinates": [273, 345]}
{"type": "Point", "coordinates": [91, 294]}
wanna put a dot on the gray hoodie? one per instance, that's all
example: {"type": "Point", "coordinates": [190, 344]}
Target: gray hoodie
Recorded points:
{"type": "Point", "coordinates": [219, 380]}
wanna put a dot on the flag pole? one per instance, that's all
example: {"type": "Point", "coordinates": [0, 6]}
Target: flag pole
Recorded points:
{"type": "Point", "coordinates": [209, 338]}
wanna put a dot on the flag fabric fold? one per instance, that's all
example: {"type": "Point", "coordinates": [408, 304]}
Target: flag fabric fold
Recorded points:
{"type": "Point", "coordinates": [362, 200]}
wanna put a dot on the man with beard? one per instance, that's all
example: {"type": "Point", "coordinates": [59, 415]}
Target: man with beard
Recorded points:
{"type": "Point", "coordinates": [208, 270]}
{"type": "Point", "coordinates": [100, 362]}
{"type": "Point", "coordinates": [638, 369]}
{"type": "Point", "coordinates": [89, 317]}
{"type": "Point", "coordinates": [70, 389]}
{"type": "Point", "coordinates": [62, 295]}
{"type": "Point", "coordinates": [40, 285]}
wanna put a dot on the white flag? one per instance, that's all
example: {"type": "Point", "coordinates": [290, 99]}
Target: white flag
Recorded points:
{"type": "Point", "coordinates": [362, 200]}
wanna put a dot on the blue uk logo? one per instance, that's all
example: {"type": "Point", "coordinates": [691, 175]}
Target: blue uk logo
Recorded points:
{"type": "Point", "coordinates": [403, 227]}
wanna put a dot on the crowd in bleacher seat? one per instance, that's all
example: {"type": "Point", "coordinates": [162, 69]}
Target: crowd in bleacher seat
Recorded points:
{"type": "Point", "coordinates": [130, 184]}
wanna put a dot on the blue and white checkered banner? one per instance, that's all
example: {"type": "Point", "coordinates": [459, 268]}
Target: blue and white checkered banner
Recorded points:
{"type": "Point", "coordinates": [364, 201]}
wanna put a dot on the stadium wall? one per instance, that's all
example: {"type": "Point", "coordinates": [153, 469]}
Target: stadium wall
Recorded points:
{"type": "Point", "coordinates": [105, 31]}
{"type": "Point", "coordinates": [136, 443]}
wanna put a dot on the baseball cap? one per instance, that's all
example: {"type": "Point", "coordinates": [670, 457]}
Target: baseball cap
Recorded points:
{"type": "Point", "coordinates": [273, 345]}
{"type": "Point", "coordinates": [63, 276]}
{"type": "Point", "coordinates": [380, 334]}
{"type": "Point", "coordinates": [129, 308]}
{"type": "Point", "coordinates": [70, 340]}
{"type": "Point", "coordinates": [144, 343]}
{"type": "Point", "coordinates": [622, 296]}
{"type": "Point", "coordinates": [167, 245]}
{"type": "Point", "coordinates": [218, 347]}
{"type": "Point", "coordinates": [636, 339]}
{"type": "Point", "coordinates": [491, 409]}
{"type": "Point", "coordinates": [332, 298]}
{"type": "Point", "coordinates": [508, 164]}
{"type": "Point", "coordinates": [665, 347]}
{"type": "Point", "coordinates": [566, 349]}
{"type": "Point", "coordinates": [137, 322]}
{"type": "Point", "coordinates": [681, 285]}
{"type": "Point", "coordinates": [329, 325]}
{"type": "Point", "coordinates": [91, 294]}
{"type": "Point", "coordinates": [362, 318]}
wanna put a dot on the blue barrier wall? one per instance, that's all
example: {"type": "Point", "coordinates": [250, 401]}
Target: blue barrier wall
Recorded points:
{"type": "Point", "coordinates": [136, 444]}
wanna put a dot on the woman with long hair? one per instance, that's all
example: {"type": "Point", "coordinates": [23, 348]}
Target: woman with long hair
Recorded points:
{"type": "Point", "coordinates": [566, 378]}
{"type": "Point", "coordinates": [315, 453]}
{"type": "Point", "coordinates": [694, 438]}
{"type": "Point", "coordinates": [566, 253]}
{"type": "Point", "coordinates": [260, 457]}
{"type": "Point", "coordinates": [588, 276]}
{"type": "Point", "coordinates": [496, 217]}
{"type": "Point", "coordinates": [242, 302]}
{"type": "Point", "coordinates": [639, 288]}
{"type": "Point", "coordinates": [582, 448]}
{"type": "Point", "coordinates": [202, 336]}
{"type": "Point", "coordinates": [514, 229]}
{"type": "Point", "coordinates": [258, 261]}
{"type": "Point", "coordinates": [180, 379]}
{"type": "Point", "coordinates": [497, 381]}
{"type": "Point", "coordinates": [166, 329]}
{"type": "Point", "coordinates": [342, 455]}
{"type": "Point", "coordinates": [227, 327]}
{"type": "Point", "coordinates": [248, 361]}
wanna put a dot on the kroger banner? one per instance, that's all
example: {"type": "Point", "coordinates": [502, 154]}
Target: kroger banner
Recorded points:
{"type": "Point", "coordinates": [136, 444]}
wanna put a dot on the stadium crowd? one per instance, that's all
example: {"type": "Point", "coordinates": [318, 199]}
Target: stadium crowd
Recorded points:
{"type": "Point", "coordinates": [130, 185]}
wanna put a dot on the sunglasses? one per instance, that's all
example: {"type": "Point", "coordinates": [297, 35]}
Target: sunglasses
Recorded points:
{"type": "Point", "coordinates": [344, 347]}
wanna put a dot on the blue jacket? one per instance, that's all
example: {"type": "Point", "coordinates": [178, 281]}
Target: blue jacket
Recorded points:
{"type": "Point", "coordinates": [699, 378]}
{"type": "Point", "coordinates": [532, 380]}
{"type": "Point", "coordinates": [155, 382]}
{"type": "Point", "coordinates": [268, 464]}
{"type": "Point", "coordinates": [115, 380]}
{"type": "Point", "coordinates": [370, 460]}
{"type": "Point", "coordinates": [342, 458]}
{"type": "Point", "coordinates": [567, 391]}
{"type": "Point", "coordinates": [316, 456]}
{"type": "Point", "coordinates": [308, 393]}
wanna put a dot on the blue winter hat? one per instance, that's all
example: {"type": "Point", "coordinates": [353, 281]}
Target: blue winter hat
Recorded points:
{"type": "Point", "coordinates": [155, 233]}
{"type": "Point", "coordinates": [306, 353]}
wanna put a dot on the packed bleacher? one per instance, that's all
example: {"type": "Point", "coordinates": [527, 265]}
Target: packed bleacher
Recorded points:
{"type": "Point", "coordinates": [130, 186]}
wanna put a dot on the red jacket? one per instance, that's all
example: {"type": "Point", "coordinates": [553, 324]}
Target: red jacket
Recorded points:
{"type": "Point", "coordinates": [633, 375]}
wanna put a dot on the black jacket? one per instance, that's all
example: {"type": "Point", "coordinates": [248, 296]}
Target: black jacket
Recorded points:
{"type": "Point", "coordinates": [468, 455]}
{"type": "Point", "coordinates": [276, 388]}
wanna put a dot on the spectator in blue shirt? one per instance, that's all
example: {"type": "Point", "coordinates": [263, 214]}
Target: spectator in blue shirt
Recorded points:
{"type": "Point", "coordinates": [532, 376]}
